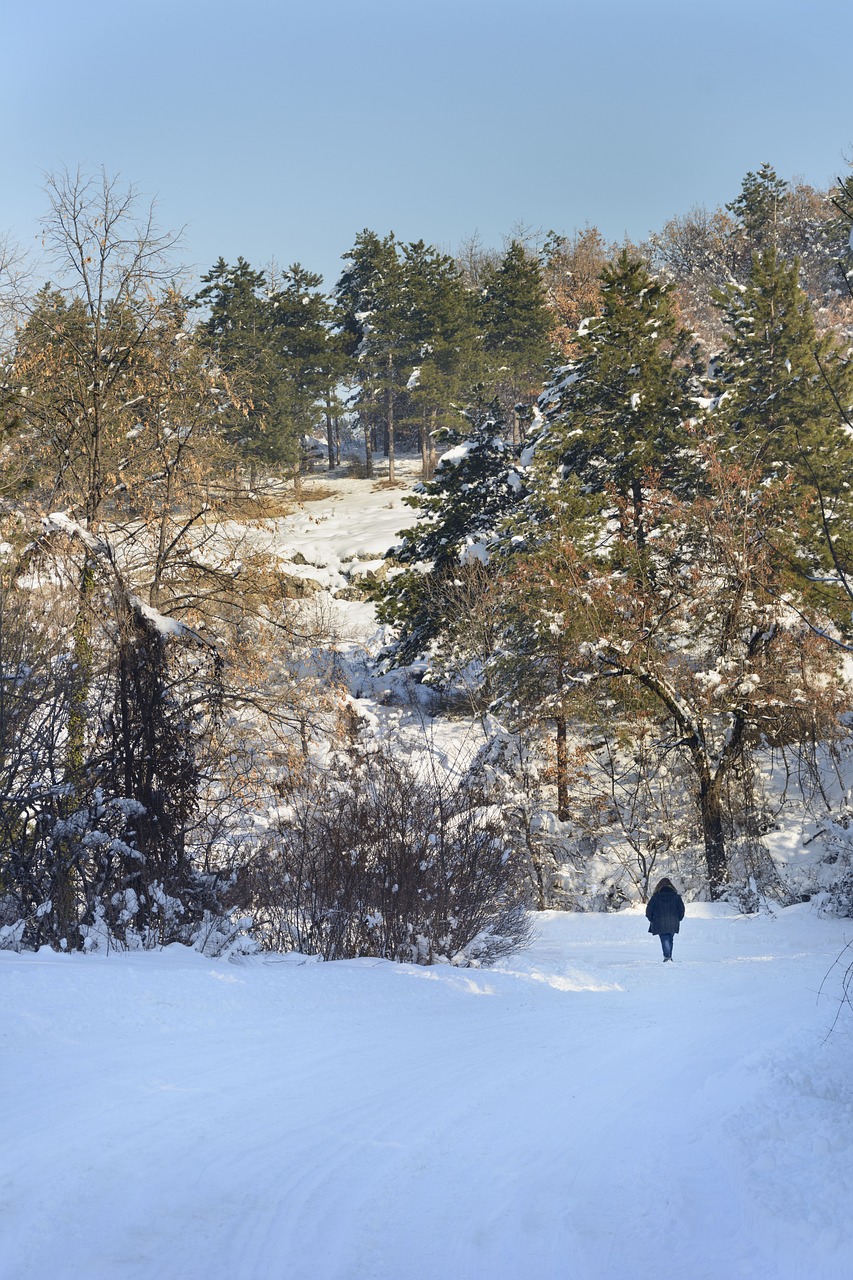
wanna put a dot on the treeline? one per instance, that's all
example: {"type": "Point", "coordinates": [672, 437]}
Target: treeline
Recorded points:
{"type": "Point", "coordinates": [410, 336]}
{"type": "Point", "coordinates": [397, 350]}
{"type": "Point", "coordinates": [651, 555]}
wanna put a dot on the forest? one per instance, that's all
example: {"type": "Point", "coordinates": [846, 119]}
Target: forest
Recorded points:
{"type": "Point", "coordinates": [627, 561]}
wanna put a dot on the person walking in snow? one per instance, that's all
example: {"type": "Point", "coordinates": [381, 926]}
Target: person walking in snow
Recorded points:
{"type": "Point", "coordinates": [665, 911]}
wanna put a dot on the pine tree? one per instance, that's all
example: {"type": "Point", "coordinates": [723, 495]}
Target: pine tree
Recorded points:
{"type": "Point", "coordinates": [516, 325]}
{"type": "Point", "coordinates": [308, 350]}
{"type": "Point", "coordinates": [617, 413]}
{"type": "Point", "coordinates": [276, 343]}
{"type": "Point", "coordinates": [407, 319]}
{"type": "Point", "coordinates": [239, 331]}
{"type": "Point", "coordinates": [782, 388]}
{"type": "Point", "coordinates": [760, 209]}
{"type": "Point", "coordinates": [371, 307]}
{"type": "Point", "coordinates": [841, 228]}
{"type": "Point", "coordinates": [442, 336]}
{"type": "Point", "coordinates": [785, 397]}
{"type": "Point", "coordinates": [459, 514]}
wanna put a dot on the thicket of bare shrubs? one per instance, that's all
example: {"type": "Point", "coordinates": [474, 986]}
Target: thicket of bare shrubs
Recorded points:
{"type": "Point", "coordinates": [371, 856]}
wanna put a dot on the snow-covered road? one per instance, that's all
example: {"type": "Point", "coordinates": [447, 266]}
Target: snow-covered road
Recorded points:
{"type": "Point", "coordinates": [584, 1112]}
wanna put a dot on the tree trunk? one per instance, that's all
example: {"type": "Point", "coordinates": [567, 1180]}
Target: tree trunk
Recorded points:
{"type": "Point", "coordinates": [67, 858]}
{"type": "Point", "coordinates": [513, 417]}
{"type": "Point", "coordinates": [368, 450]}
{"type": "Point", "coordinates": [538, 877]}
{"type": "Point", "coordinates": [330, 433]}
{"type": "Point", "coordinates": [711, 813]}
{"type": "Point", "coordinates": [389, 421]}
{"type": "Point", "coordinates": [638, 515]}
{"type": "Point", "coordinates": [562, 770]}
{"type": "Point", "coordinates": [423, 436]}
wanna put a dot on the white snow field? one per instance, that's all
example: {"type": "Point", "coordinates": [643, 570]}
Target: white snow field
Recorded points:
{"type": "Point", "coordinates": [583, 1111]}
{"type": "Point", "coordinates": [343, 525]}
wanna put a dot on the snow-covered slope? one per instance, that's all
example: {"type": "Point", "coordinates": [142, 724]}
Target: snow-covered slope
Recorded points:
{"type": "Point", "coordinates": [583, 1112]}
{"type": "Point", "coordinates": [342, 525]}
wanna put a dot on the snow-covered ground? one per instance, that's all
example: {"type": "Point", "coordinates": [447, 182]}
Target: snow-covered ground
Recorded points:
{"type": "Point", "coordinates": [341, 526]}
{"type": "Point", "coordinates": [582, 1112]}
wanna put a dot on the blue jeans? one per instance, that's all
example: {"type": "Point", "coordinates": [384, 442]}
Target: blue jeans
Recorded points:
{"type": "Point", "coordinates": [666, 944]}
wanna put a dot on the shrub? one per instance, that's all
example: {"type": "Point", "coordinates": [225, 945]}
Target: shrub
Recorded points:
{"type": "Point", "coordinates": [372, 857]}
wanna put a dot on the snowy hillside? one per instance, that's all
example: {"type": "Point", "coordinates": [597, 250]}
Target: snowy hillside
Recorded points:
{"type": "Point", "coordinates": [583, 1112]}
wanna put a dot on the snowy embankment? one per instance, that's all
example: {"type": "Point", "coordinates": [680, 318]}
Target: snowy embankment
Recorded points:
{"type": "Point", "coordinates": [581, 1112]}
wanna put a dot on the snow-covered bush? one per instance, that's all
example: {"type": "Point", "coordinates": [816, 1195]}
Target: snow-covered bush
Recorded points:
{"type": "Point", "coordinates": [508, 770]}
{"type": "Point", "coordinates": [371, 856]}
{"type": "Point", "coordinates": [833, 876]}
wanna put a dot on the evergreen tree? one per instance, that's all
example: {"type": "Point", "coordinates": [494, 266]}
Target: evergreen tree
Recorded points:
{"type": "Point", "coordinates": [842, 198]}
{"type": "Point", "coordinates": [407, 321]}
{"type": "Point", "coordinates": [616, 414]}
{"type": "Point", "coordinates": [309, 351]}
{"type": "Point", "coordinates": [759, 211]}
{"type": "Point", "coordinates": [236, 302]}
{"type": "Point", "coordinates": [373, 267]}
{"type": "Point", "coordinates": [459, 514]}
{"type": "Point", "coordinates": [239, 331]}
{"type": "Point", "coordinates": [371, 308]}
{"type": "Point", "coordinates": [785, 397]}
{"type": "Point", "coordinates": [782, 388]}
{"type": "Point", "coordinates": [278, 348]}
{"type": "Point", "coordinates": [441, 326]}
{"type": "Point", "coordinates": [842, 228]}
{"type": "Point", "coordinates": [516, 326]}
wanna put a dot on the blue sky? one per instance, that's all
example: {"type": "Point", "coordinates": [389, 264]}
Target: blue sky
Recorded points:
{"type": "Point", "coordinates": [281, 129]}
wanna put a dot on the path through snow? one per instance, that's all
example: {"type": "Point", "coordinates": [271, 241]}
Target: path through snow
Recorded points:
{"type": "Point", "coordinates": [583, 1112]}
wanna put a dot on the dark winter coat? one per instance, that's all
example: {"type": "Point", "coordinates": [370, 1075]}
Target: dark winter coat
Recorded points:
{"type": "Point", "coordinates": [665, 910]}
